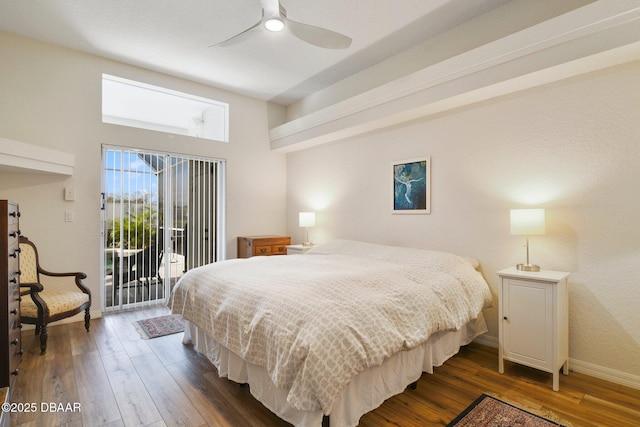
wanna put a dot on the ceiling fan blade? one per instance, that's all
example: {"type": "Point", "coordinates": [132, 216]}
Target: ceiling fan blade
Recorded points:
{"type": "Point", "coordinates": [317, 36]}
{"type": "Point", "coordinates": [240, 37]}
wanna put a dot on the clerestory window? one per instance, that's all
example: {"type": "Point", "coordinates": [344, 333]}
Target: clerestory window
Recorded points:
{"type": "Point", "coordinates": [140, 105]}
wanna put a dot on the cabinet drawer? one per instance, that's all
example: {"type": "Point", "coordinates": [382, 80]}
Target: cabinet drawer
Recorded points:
{"type": "Point", "coordinates": [262, 245]}
{"type": "Point", "coordinates": [270, 250]}
{"type": "Point", "coordinates": [15, 346]}
{"type": "Point", "coordinates": [279, 250]}
{"type": "Point", "coordinates": [10, 333]}
{"type": "Point", "coordinates": [12, 213]}
{"type": "Point", "coordinates": [262, 250]}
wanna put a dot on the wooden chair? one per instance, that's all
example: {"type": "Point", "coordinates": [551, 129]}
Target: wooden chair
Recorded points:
{"type": "Point", "coordinates": [45, 306]}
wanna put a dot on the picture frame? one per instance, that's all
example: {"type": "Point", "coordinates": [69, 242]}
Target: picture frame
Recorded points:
{"type": "Point", "coordinates": [411, 186]}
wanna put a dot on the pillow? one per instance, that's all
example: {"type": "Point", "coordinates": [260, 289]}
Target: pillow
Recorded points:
{"type": "Point", "coordinates": [419, 257]}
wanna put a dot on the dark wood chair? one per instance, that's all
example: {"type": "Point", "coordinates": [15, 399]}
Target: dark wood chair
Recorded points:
{"type": "Point", "coordinates": [40, 306]}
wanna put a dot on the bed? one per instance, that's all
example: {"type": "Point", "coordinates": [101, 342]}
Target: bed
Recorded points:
{"type": "Point", "coordinates": [335, 331]}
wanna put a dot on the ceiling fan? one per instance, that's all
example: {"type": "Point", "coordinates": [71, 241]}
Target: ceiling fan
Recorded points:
{"type": "Point", "coordinates": [274, 18]}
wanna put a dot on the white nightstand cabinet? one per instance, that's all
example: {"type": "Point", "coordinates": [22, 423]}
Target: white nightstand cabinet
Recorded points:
{"type": "Point", "coordinates": [534, 320]}
{"type": "Point", "coordinates": [297, 249]}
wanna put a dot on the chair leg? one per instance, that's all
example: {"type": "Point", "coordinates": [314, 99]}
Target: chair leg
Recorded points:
{"type": "Point", "coordinates": [87, 319]}
{"type": "Point", "coordinates": [43, 339]}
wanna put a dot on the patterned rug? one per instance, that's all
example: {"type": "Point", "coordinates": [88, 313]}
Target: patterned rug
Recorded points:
{"type": "Point", "coordinates": [160, 326]}
{"type": "Point", "coordinates": [488, 411]}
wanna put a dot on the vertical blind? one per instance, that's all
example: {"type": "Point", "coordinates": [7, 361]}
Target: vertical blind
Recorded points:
{"type": "Point", "coordinates": [163, 215]}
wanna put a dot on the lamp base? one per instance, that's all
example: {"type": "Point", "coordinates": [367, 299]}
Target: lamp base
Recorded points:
{"type": "Point", "coordinates": [528, 267]}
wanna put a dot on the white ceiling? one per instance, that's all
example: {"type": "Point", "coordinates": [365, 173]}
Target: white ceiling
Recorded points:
{"type": "Point", "coordinates": [173, 36]}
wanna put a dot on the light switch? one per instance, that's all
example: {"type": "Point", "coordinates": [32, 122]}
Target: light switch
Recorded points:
{"type": "Point", "coordinates": [69, 194]}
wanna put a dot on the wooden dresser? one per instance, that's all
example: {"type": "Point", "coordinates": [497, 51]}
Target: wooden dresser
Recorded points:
{"type": "Point", "coordinates": [249, 246]}
{"type": "Point", "coordinates": [10, 337]}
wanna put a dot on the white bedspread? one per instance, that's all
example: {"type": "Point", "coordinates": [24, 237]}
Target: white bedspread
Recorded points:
{"type": "Point", "coordinates": [314, 321]}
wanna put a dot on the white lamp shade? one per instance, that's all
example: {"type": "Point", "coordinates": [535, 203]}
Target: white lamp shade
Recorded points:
{"type": "Point", "coordinates": [307, 219]}
{"type": "Point", "coordinates": [527, 222]}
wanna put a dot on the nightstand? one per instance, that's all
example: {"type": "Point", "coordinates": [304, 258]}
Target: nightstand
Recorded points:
{"type": "Point", "coordinates": [297, 249]}
{"type": "Point", "coordinates": [534, 320]}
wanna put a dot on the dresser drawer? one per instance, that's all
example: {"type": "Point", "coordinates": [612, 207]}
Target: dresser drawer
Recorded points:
{"type": "Point", "coordinates": [10, 333]}
{"type": "Point", "coordinates": [13, 213]}
{"type": "Point", "coordinates": [249, 246]}
{"type": "Point", "coordinates": [15, 350]}
{"type": "Point", "coordinates": [280, 249]}
{"type": "Point", "coordinates": [13, 251]}
{"type": "Point", "coordinates": [261, 250]}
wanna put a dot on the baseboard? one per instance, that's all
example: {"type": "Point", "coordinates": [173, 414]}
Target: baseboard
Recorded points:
{"type": "Point", "coordinates": [593, 370]}
{"type": "Point", "coordinates": [604, 373]}
{"type": "Point", "coordinates": [95, 314]}
{"type": "Point", "coordinates": [487, 340]}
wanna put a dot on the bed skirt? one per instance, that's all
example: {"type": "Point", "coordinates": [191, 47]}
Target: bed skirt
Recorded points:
{"type": "Point", "coordinates": [368, 390]}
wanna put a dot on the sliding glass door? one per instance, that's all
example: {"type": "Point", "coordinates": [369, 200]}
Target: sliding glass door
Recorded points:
{"type": "Point", "coordinates": [162, 215]}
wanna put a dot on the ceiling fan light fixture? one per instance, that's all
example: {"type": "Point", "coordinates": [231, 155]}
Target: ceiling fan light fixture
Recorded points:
{"type": "Point", "coordinates": [274, 24]}
{"type": "Point", "coordinates": [274, 19]}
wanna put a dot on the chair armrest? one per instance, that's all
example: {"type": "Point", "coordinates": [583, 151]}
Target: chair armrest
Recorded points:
{"type": "Point", "coordinates": [34, 291]}
{"type": "Point", "coordinates": [33, 287]}
{"type": "Point", "coordinates": [51, 274]}
{"type": "Point", "coordinates": [78, 276]}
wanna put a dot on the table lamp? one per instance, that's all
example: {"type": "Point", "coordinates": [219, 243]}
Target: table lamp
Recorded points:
{"type": "Point", "coordinates": [306, 220]}
{"type": "Point", "coordinates": [527, 222]}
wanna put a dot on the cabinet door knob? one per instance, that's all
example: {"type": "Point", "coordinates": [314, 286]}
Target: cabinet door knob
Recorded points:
{"type": "Point", "coordinates": [15, 233]}
{"type": "Point", "coordinates": [15, 372]}
{"type": "Point", "coordinates": [15, 342]}
{"type": "Point", "coordinates": [14, 311]}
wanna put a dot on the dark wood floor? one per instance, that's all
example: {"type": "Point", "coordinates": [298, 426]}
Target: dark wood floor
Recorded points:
{"type": "Point", "coordinates": [118, 379]}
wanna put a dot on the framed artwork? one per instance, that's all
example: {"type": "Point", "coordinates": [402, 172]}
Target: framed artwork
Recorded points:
{"type": "Point", "coordinates": [412, 186]}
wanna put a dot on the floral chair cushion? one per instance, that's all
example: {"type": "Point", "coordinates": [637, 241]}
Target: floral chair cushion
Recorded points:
{"type": "Point", "coordinates": [28, 266]}
{"type": "Point", "coordinates": [57, 301]}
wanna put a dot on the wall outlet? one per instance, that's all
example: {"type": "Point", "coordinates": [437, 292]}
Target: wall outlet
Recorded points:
{"type": "Point", "coordinates": [68, 216]}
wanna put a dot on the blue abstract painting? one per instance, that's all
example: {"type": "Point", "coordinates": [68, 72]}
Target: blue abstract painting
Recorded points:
{"type": "Point", "coordinates": [411, 186]}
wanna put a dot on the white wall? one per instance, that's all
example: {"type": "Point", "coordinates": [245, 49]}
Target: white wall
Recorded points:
{"type": "Point", "coordinates": [51, 97]}
{"type": "Point", "coordinates": [572, 147]}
